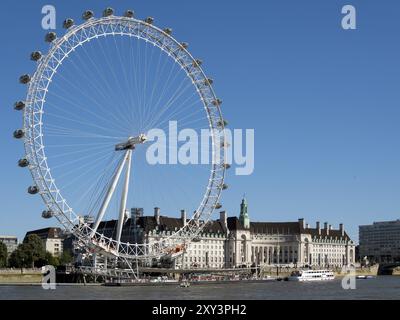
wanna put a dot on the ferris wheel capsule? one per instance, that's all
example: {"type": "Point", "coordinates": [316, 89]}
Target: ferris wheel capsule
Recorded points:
{"type": "Point", "coordinates": [129, 14]}
{"type": "Point", "coordinates": [36, 56]}
{"type": "Point", "coordinates": [218, 206]}
{"type": "Point", "coordinates": [25, 79]}
{"type": "Point", "coordinates": [18, 134]}
{"type": "Point", "coordinates": [222, 123]}
{"type": "Point", "coordinates": [23, 162]}
{"type": "Point", "coordinates": [47, 214]}
{"type": "Point", "coordinates": [50, 37]}
{"type": "Point", "coordinates": [217, 102]}
{"type": "Point", "coordinates": [149, 20]}
{"type": "Point", "coordinates": [184, 45]}
{"type": "Point", "coordinates": [33, 190]}
{"type": "Point", "coordinates": [19, 105]}
{"type": "Point", "coordinates": [88, 14]}
{"type": "Point", "coordinates": [208, 82]}
{"type": "Point", "coordinates": [227, 166]}
{"type": "Point", "coordinates": [197, 63]}
{"type": "Point", "coordinates": [108, 12]}
{"type": "Point", "coordinates": [68, 23]}
{"type": "Point", "coordinates": [225, 144]}
{"type": "Point", "coordinates": [168, 31]}
{"type": "Point", "coordinates": [224, 186]}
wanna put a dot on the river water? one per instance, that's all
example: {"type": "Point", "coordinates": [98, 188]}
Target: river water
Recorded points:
{"type": "Point", "coordinates": [382, 287]}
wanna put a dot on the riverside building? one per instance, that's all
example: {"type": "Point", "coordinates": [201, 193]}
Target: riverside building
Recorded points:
{"type": "Point", "coordinates": [286, 243]}
{"type": "Point", "coordinates": [233, 242]}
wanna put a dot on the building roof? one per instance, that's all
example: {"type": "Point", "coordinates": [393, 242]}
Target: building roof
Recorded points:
{"type": "Point", "coordinates": [332, 233]}
{"type": "Point", "coordinates": [266, 227]}
{"type": "Point", "coordinates": [47, 233]}
{"type": "Point", "coordinates": [284, 228]}
{"type": "Point", "coordinates": [275, 227]}
{"type": "Point", "coordinates": [149, 223]}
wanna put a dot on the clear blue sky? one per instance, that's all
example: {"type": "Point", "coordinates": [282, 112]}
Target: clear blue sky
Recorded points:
{"type": "Point", "coordinates": [324, 102]}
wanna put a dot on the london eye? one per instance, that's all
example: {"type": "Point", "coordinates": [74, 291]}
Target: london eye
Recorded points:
{"type": "Point", "coordinates": [91, 101]}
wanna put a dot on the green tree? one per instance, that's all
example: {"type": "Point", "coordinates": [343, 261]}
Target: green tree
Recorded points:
{"type": "Point", "coordinates": [18, 258]}
{"type": "Point", "coordinates": [48, 259]}
{"type": "Point", "coordinates": [34, 249]}
{"type": "Point", "coordinates": [66, 257]}
{"type": "Point", "coordinates": [3, 255]}
{"type": "Point", "coordinates": [30, 253]}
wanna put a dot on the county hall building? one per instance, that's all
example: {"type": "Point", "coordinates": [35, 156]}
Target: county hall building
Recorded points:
{"type": "Point", "coordinates": [232, 242]}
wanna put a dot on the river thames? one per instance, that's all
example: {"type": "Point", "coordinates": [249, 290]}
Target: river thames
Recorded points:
{"type": "Point", "coordinates": [383, 287]}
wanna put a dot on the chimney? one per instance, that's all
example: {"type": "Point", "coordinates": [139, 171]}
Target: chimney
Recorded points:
{"type": "Point", "coordinates": [341, 228]}
{"type": "Point", "coordinates": [223, 219]}
{"type": "Point", "coordinates": [318, 227]}
{"type": "Point", "coordinates": [301, 222]}
{"type": "Point", "coordinates": [326, 227]}
{"type": "Point", "coordinates": [157, 215]}
{"type": "Point", "coordinates": [183, 217]}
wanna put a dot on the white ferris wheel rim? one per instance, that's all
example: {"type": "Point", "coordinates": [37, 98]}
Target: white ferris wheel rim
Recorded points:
{"type": "Point", "coordinates": [35, 148]}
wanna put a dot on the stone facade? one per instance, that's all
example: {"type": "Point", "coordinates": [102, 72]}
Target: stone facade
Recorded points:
{"type": "Point", "coordinates": [232, 242]}
{"type": "Point", "coordinates": [286, 243]}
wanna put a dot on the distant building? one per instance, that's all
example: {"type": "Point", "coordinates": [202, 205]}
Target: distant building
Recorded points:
{"type": "Point", "coordinates": [231, 242]}
{"type": "Point", "coordinates": [52, 239]}
{"type": "Point", "coordinates": [380, 242]}
{"type": "Point", "coordinates": [11, 243]}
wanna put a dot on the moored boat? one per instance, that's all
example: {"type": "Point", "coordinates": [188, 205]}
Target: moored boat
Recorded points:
{"type": "Point", "coordinates": [311, 275]}
{"type": "Point", "coordinates": [184, 284]}
{"type": "Point", "coordinates": [364, 277]}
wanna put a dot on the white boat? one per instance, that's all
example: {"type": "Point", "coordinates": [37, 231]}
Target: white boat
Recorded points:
{"type": "Point", "coordinates": [311, 275]}
{"type": "Point", "coordinates": [184, 284]}
{"type": "Point", "coordinates": [163, 279]}
{"type": "Point", "coordinates": [365, 277]}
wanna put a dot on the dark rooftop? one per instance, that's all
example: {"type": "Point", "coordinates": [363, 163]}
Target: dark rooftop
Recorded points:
{"type": "Point", "coordinates": [332, 233]}
{"type": "Point", "coordinates": [47, 233]}
{"type": "Point", "coordinates": [266, 227]}
{"type": "Point", "coordinates": [148, 223]}
{"type": "Point", "coordinates": [284, 228]}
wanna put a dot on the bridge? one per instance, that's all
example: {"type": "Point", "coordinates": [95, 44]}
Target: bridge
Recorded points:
{"type": "Point", "coordinates": [388, 268]}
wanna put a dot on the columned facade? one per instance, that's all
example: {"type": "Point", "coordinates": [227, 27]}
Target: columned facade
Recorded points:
{"type": "Point", "coordinates": [293, 244]}
{"type": "Point", "coordinates": [234, 242]}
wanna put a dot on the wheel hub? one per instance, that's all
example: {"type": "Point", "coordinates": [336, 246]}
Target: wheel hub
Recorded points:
{"type": "Point", "coordinates": [131, 143]}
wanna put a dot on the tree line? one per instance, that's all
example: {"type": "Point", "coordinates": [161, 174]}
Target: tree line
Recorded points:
{"type": "Point", "coordinates": [31, 254]}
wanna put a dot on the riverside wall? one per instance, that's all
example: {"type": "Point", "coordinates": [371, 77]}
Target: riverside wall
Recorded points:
{"type": "Point", "coordinates": [12, 276]}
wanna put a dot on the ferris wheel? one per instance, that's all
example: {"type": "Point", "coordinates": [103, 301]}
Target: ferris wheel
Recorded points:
{"type": "Point", "coordinates": [91, 102]}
